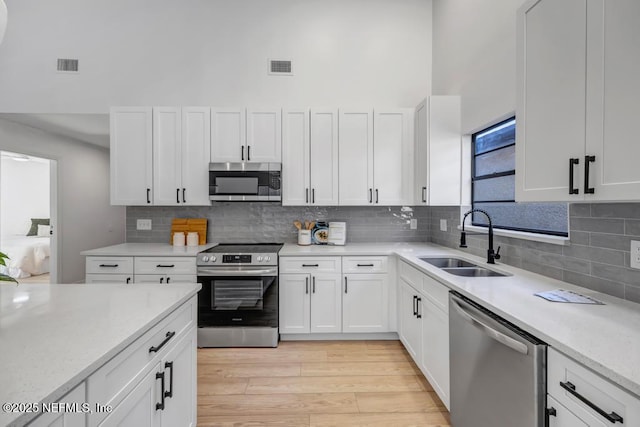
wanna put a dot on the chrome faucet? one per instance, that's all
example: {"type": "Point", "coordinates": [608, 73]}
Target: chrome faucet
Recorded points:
{"type": "Point", "coordinates": [491, 255]}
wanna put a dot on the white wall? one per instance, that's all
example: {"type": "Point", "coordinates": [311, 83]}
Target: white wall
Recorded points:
{"type": "Point", "coordinates": [474, 55]}
{"type": "Point", "coordinates": [24, 194]}
{"type": "Point", "coordinates": [214, 52]}
{"type": "Point", "coordinates": [85, 218]}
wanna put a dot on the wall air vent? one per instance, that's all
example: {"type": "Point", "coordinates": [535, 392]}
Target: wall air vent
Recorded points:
{"type": "Point", "coordinates": [68, 65]}
{"type": "Point", "coordinates": [280, 68]}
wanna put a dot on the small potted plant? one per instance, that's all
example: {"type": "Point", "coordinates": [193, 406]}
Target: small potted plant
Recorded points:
{"type": "Point", "coordinates": [4, 277]}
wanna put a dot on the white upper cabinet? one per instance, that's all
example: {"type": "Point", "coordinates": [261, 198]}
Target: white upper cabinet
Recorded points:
{"type": "Point", "coordinates": [393, 156]}
{"type": "Point", "coordinates": [356, 157]}
{"type": "Point", "coordinates": [437, 151]}
{"type": "Point", "coordinates": [167, 149]}
{"type": "Point", "coordinates": [577, 68]}
{"type": "Point", "coordinates": [310, 157]}
{"type": "Point", "coordinates": [246, 135]}
{"type": "Point", "coordinates": [131, 134]}
{"type": "Point", "coordinates": [196, 146]}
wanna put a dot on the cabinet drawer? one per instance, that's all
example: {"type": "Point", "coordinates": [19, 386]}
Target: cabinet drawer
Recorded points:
{"type": "Point", "coordinates": [310, 265]}
{"type": "Point", "coordinates": [165, 279]}
{"type": "Point", "coordinates": [109, 265]}
{"type": "Point", "coordinates": [165, 265]}
{"type": "Point", "coordinates": [411, 275]}
{"type": "Point", "coordinates": [436, 292]}
{"type": "Point", "coordinates": [364, 264]}
{"type": "Point", "coordinates": [116, 378]}
{"type": "Point", "coordinates": [602, 393]}
{"type": "Point", "coordinates": [109, 278]}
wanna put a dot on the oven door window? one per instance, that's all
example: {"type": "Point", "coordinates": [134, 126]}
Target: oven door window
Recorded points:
{"type": "Point", "coordinates": [233, 294]}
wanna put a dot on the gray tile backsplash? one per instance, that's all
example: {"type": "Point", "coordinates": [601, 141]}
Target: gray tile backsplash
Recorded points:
{"type": "Point", "coordinates": [597, 256]}
{"type": "Point", "coordinates": [271, 222]}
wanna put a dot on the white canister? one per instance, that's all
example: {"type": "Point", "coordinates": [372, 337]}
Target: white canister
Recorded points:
{"type": "Point", "coordinates": [178, 238]}
{"type": "Point", "coordinates": [304, 237]}
{"type": "Point", "coordinates": [192, 238]}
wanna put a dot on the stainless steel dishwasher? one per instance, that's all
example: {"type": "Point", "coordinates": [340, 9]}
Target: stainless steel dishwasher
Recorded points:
{"type": "Point", "coordinates": [498, 372]}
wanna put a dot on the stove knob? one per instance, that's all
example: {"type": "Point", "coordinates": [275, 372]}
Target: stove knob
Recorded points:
{"type": "Point", "coordinates": [205, 258]}
{"type": "Point", "coordinates": [267, 258]}
{"type": "Point", "coordinates": [213, 259]}
{"type": "Point", "coordinates": [260, 259]}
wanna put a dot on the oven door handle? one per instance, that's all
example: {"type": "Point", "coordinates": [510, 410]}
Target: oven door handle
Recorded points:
{"type": "Point", "coordinates": [273, 271]}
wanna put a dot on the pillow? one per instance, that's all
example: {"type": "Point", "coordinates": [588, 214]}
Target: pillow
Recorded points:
{"type": "Point", "coordinates": [33, 231]}
{"type": "Point", "coordinates": [44, 230]}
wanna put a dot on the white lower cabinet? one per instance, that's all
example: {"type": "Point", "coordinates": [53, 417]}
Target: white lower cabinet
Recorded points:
{"type": "Point", "coordinates": [165, 279]}
{"type": "Point", "coordinates": [365, 303]}
{"type": "Point", "coordinates": [409, 323]}
{"type": "Point", "coordinates": [435, 348]}
{"type": "Point", "coordinates": [140, 269]}
{"type": "Point", "coordinates": [64, 418]}
{"type": "Point", "coordinates": [326, 303]}
{"type": "Point", "coordinates": [559, 416]}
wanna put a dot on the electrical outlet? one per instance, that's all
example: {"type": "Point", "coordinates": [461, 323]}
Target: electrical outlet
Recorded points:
{"type": "Point", "coordinates": [443, 225]}
{"type": "Point", "coordinates": [413, 224]}
{"type": "Point", "coordinates": [635, 254]}
{"type": "Point", "coordinates": [143, 224]}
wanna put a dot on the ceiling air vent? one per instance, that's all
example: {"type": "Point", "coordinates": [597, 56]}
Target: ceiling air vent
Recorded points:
{"type": "Point", "coordinates": [68, 65]}
{"type": "Point", "coordinates": [280, 67]}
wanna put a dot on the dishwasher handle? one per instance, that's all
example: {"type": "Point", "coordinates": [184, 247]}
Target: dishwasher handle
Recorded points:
{"type": "Point", "coordinates": [496, 335]}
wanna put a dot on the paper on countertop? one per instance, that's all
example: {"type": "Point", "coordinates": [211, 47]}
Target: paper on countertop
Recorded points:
{"type": "Point", "coordinates": [561, 295]}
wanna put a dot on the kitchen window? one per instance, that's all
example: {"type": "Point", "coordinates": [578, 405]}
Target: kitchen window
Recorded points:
{"type": "Point", "coordinates": [493, 186]}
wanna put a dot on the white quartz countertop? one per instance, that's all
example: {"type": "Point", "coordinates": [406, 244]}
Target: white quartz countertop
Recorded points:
{"type": "Point", "coordinates": [606, 338]}
{"type": "Point", "coordinates": [148, 249]}
{"type": "Point", "coordinates": [54, 336]}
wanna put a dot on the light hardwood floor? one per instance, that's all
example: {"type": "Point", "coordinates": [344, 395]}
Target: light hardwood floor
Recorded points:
{"type": "Point", "coordinates": [315, 383]}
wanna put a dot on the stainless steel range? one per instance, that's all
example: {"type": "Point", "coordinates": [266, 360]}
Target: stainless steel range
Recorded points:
{"type": "Point", "coordinates": [238, 302]}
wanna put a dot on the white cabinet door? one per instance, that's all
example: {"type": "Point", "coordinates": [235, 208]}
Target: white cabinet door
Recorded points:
{"type": "Point", "coordinates": [179, 367]}
{"type": "Point", "coordinates": [63, 418]}
{"type": "Point", "coordinates": [264, 135]}
{"type": "Point", "coordinates": [131, 156]}
{"type": "Point", "coordinates": [393, 157]}
{"type": "Point", "coordinates": [167, 162]}
{"type": "Point", "coordinates": [295, 304]}
{"type": "Point", "coordinates": [409, 325]}
{"type": "Point", "coordinates": [228, 135]}
{"type": "Point", "coordinates": [562, 417]}
{"type": "Point", "coordinates": [109, 278]}
{"type": "Point", "coordinates": [421, 167]}
{"type": "Point", "coordinates": [551, 107]}
{"type": "Point", "coordinates": [195, 156]}
{"type": "Point", "coordinates": [613, 68]}
{"type": "Point", "coordinates": [295, 158]}
{"type": "Point", "coordinates": [444, 158]}
{"type": "Point", "coordinates": [356, 141]}
{"type": "Point", "coordinates": [139, 407]}
{"type": "Point", "coordinates": [326, 303]}
{"type": "Point", "coordinates": [435, 348]}
{"type": "Point", "coordinates": [323, 158]}
{"type": "Point", "coordinates": [365, 303]}
{"type": "Point", "coordinates": [149, 278]}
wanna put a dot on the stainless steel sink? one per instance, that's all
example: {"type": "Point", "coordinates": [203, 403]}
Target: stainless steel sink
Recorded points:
{"type": "Point", "coordinates": [474, 272]}
{"type": "Point", "coordinates": [448, 262]}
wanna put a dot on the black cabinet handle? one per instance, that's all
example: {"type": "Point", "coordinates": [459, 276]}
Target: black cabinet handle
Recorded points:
{"type": "Point", "coordinates": [148, 195]}
{"type": "Point", "coordinates": [161, 280]}
{"type": "Point", "coordinates": [306, 285]}
{"type": "Point", "coordinates": [248, 152]}
{"type": "Point", "coordinates": [109, 265]}
{"type": "Point", "coordinates": [313, 286]}
{"type": "Point", "coordinates": [365, 265]}
{"type": "Point", "coordinates": [376, 195]}
{"type": "Point", "coordinates": [370, 195]}
{"type": "Point", "coordinates": [418, 314]}
{"type": "Point", "coordinates": [424, 194]}
{"type": "Point", "coordinates": [160, 375]}
{"type": "Point", "coordinates": [346, 285]}
{"type": "Point", "coordinates": [162, 344]}
{"type": "Point", "coordinates": [306, 195]}
{"type": "Point", "coordinates": [551, 412]}
{"type": "Point", "coordinates": [128, 280]}
{"type": "Point", "coordinates": [612, 417]}
{"type": "Point", "coordinates": [242, 154]}
{"type": "Point", "coordinates": [313, 195]}
{"type": "Point", "coordinates": [168, 278]}
{"type": "Point", "coordinates": [572, 163]}
{"type": "Point", "coordinates": [165, 265]}
{"type": "Point", "coordinates": [310, 265]}
{"type": "Point", "coordinates": [169, 394]}
{"type": "Point", "coordinates": [587, 161]}
{"type": "Point", "coordinates": [177, 195]}
{"type": "Point", "coordinates": [415, 312]}
{"type": "Point", "coordinates": [184, 197]}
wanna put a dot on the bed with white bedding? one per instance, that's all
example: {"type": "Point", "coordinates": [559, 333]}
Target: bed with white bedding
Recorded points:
{"type": "Point", "coordinates": [28, 255]}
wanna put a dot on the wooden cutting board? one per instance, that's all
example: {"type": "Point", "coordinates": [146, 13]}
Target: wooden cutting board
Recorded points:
{"type": "Point", "coordinates": [186, 225]}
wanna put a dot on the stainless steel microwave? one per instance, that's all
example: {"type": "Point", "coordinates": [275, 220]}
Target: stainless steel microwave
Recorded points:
{"type": "Point", "coordinates": [244, 182]}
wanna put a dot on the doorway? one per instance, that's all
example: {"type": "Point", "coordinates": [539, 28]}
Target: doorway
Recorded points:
{"type": "Point", "coordinates": [28, 217]}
